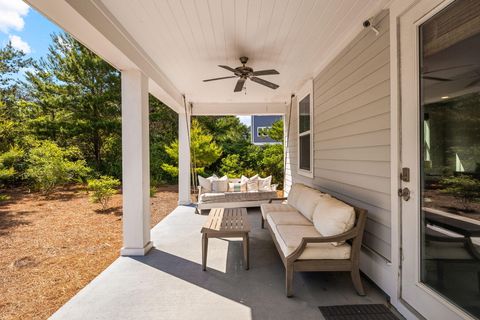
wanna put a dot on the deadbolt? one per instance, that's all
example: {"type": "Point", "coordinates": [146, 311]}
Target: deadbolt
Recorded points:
{"type": "Point", "coordinates": [404, 193]}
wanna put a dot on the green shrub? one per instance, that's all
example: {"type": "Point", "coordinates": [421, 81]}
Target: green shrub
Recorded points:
{"type": "Point", "coordinates": [463, 187]}
{"type": "Point", "coordinates": [50, 166]}
{"type": "Point", "coordinates": [153, 191]}
{"type": "Point", "coordinates": [103, 189]}
{"type": "Point", "coordinates": [10, 164]}
{"type": "Point", "coordinates": [231, 166]}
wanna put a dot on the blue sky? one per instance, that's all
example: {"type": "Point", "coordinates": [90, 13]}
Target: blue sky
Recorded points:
{"type": "Point", "coordinates": [28, 30]}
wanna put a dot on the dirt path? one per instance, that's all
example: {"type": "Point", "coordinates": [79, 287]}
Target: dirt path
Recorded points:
{"type": "Point", "coordinates": [52, 247]}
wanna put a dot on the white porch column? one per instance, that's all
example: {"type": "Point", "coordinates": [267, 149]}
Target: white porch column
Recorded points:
{"type": "Point", "coordinates": [135, 164]}
{"type": "Point", "coordinates": [184, 159]}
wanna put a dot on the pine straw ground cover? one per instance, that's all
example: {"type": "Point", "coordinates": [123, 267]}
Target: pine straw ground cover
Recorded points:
{"type": "Point", "coordinates": [51, 247]}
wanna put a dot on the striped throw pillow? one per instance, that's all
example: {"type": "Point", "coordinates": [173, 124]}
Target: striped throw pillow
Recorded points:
{"type": "Point", "coordinates": [237, 187]}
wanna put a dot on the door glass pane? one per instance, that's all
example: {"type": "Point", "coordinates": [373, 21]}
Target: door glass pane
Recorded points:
{"type": "Point", "coordinates": [305, 152]}
{"type": "Point", "coordinates": [450, 164]}
{"type": "Point", "coordinates": [304, 114]}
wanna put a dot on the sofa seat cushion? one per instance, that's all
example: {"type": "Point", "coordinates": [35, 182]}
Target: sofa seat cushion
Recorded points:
{"type": "Point", "coordinates": [305, 199]}
{"type": "Point", "coordinates": [212, 197]}
{"type": "Point", "coordinates": [289, 238]}
{"type": "Point", "coordinates": [287, 217]}
{"type": "Point", "coordinates": [266, 208]}
{"type": "Point", "coordinates": [219, 197]}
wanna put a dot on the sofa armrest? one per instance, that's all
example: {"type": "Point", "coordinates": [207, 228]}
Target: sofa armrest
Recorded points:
{"type": "Point", "coordinates": [350, 234]}
{"type": "Point", "coordinates": [272, 199]}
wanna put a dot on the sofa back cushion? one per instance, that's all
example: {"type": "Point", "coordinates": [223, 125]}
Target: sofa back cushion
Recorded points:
{"type": "Point", "coordinates": [332, 217]}
{"type": "Point", "coordinates": [304, 199]}
{"type": "Point", "coordinates": [237, 187]}
{"type": "Point", "coordinates": [206, 183]}
{"type": "Point", "coordinates": [252, 183]}
{"type": "Point", "coordinates": [220, 184]}
{"type": "Point", "coordinates": [264, 184]}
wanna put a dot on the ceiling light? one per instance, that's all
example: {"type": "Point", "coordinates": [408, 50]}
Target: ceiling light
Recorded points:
{"type": "Point", "coordinates": [445, 97]}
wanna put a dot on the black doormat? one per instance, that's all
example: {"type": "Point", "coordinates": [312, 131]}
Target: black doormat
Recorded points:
{"type": "Point", "coordinates": [358, 312]}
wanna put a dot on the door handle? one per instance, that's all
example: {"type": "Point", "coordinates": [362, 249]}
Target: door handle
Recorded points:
{"type": "Point", "coordinates": [404, 193]}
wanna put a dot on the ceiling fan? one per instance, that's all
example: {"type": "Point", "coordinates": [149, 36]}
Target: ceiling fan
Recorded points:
{"type": "Point", "coordinates": [244, 73]}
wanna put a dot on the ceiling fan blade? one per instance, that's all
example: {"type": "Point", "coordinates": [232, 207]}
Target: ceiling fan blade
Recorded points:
{"type": "Point", "coordinates": [239, 85]}
{"type": "Point", "coordinates": [228, 68]}
{"type": "Point", "coordinates": [219, 78]}
{"type": "Point", "coordinates": [436, 78]}
{"type": "Point", "coordinates": [264, 82]}
{"type": "Point", "coordinates": [265, 72]}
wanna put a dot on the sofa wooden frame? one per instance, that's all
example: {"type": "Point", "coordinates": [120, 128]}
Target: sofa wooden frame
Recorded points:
{"type": "Point", "coordinates": [354, 237]}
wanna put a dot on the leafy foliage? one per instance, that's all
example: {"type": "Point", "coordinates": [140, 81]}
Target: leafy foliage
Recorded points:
{"type": "Point", "coordinates": [75, 96]}
{"type": "Point", "coordinates": [275, 132]}
{"type": "Point", "coordinates": [463, 187]}
{"type": "Point", "coordinates": [232, 166]}
{"type": "Point", "coordinates": [103, 189]}
{"type": "Point", "coordinates": [11, 165]}
{"type": "Point", "coordinates": [204, 150]}
{"type": "Point", "coordinates": [50, 165]}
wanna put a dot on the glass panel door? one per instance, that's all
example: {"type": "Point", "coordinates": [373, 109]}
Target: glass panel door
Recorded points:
{"type": "Point", "coordinates": [450, 154]}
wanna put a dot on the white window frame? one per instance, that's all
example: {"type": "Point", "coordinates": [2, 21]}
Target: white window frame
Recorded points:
{"type": "Point", "coordinates": [261, 128]}
{"type": "Point", "coordinates": [306, 90]}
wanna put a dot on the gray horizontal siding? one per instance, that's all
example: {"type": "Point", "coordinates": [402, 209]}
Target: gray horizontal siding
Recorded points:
{"type": "Point", "coordinates": [352, 132]}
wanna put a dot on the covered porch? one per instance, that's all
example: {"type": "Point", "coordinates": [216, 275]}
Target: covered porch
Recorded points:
{"type": "Point", "coordinates": [169, 283]}
{"type": "Point", "coordinates": [166, 48]}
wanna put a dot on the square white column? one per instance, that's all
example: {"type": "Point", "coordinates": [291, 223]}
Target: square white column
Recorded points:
{"type": "Point", "coordinates": [135, 164]}
{"type": "Point", "coordinates": [184, 161]}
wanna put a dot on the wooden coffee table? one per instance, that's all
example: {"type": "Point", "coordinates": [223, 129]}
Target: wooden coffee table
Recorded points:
{"type": "Point", "coordinates": [226, 223]}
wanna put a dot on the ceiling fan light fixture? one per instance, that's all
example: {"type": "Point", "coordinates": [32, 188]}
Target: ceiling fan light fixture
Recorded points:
{"type": "Point", "coordinates": [244, 73]}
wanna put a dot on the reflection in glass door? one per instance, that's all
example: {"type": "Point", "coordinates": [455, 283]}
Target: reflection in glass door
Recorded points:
{"type": "Point", "coordinates": [450, 166]}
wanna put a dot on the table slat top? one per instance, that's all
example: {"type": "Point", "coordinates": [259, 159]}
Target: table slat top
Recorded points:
{"type": "Point", "coordinates": [227, 220]}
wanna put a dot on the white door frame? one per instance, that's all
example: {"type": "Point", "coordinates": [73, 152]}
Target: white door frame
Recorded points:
{"type": "Point", "coordinates": [422, 298]}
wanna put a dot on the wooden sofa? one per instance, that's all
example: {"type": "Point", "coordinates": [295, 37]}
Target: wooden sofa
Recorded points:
{"type": "Point", "coordinates": [313, 231]}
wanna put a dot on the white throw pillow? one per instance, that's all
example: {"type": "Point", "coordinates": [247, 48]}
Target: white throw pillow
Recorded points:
{"type": "Point", "coordinates": [252, 183]}
{"type": "Point", "coordinates": [332, 217]}
{"type": "Point", "coordinates": [237, 187]}
{"type": "Point", "coordinates": [220, 185]}
{"type": "Point", "coordinates": [264, 184]}
{"type": "Point", "coordinates": [205, 183]}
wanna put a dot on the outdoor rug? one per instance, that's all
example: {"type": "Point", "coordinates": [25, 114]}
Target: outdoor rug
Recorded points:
{"type": "Point", "coordinates": [358, 312]}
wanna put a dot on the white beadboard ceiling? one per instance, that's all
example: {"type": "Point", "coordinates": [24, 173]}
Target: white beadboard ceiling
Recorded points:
{"type": "Point", "coordinates": [187, 39]}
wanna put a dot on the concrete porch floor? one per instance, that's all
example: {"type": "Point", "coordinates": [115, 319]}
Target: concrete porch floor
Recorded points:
{"type": "Point", "coordinates": [169, 282]}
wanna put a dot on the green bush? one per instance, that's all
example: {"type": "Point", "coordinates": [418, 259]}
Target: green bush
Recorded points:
{"type": "Point", "coordinates": [10, 164]}
{"type": "Point", "coordinates": [463, 187]}
{"type": "Point", "coordinates": [231, 166]}
{"type": "Point", "coordinates": [103, 189]}
{"type": "Point", "coordinates": [48, 166]}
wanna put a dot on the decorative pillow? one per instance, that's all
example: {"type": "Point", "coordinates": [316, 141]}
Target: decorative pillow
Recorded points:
{"type": "Point", "coordinates": [332, 217]}
{"type": "Point", "coordinates": [264, 184]}
{"type": "Point", "coordinates": [237, 187]}
{"type": "Point", "coordinates": [206, 183]}
{"type": "Point", "coordinates": [220, 185]}
{"type": "Point", "coordinates": [252, 183]}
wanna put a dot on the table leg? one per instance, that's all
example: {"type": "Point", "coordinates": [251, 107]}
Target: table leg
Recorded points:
{"type": "Point", "coordinates": [246, 251]}
{"type": "Point", "coordinates": [204, 251]}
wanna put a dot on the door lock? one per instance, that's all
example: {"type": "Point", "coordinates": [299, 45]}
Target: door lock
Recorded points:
{"type": "Point", "coordinates": [404, 193]}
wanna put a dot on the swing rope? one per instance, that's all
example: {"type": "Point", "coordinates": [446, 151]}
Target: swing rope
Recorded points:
{"type": "Point", "coordinates": [192, 166]}
{"type": "Point", "coordinates": [287, 140]}
{"type": "Point", "coordinates": [194, 162]}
